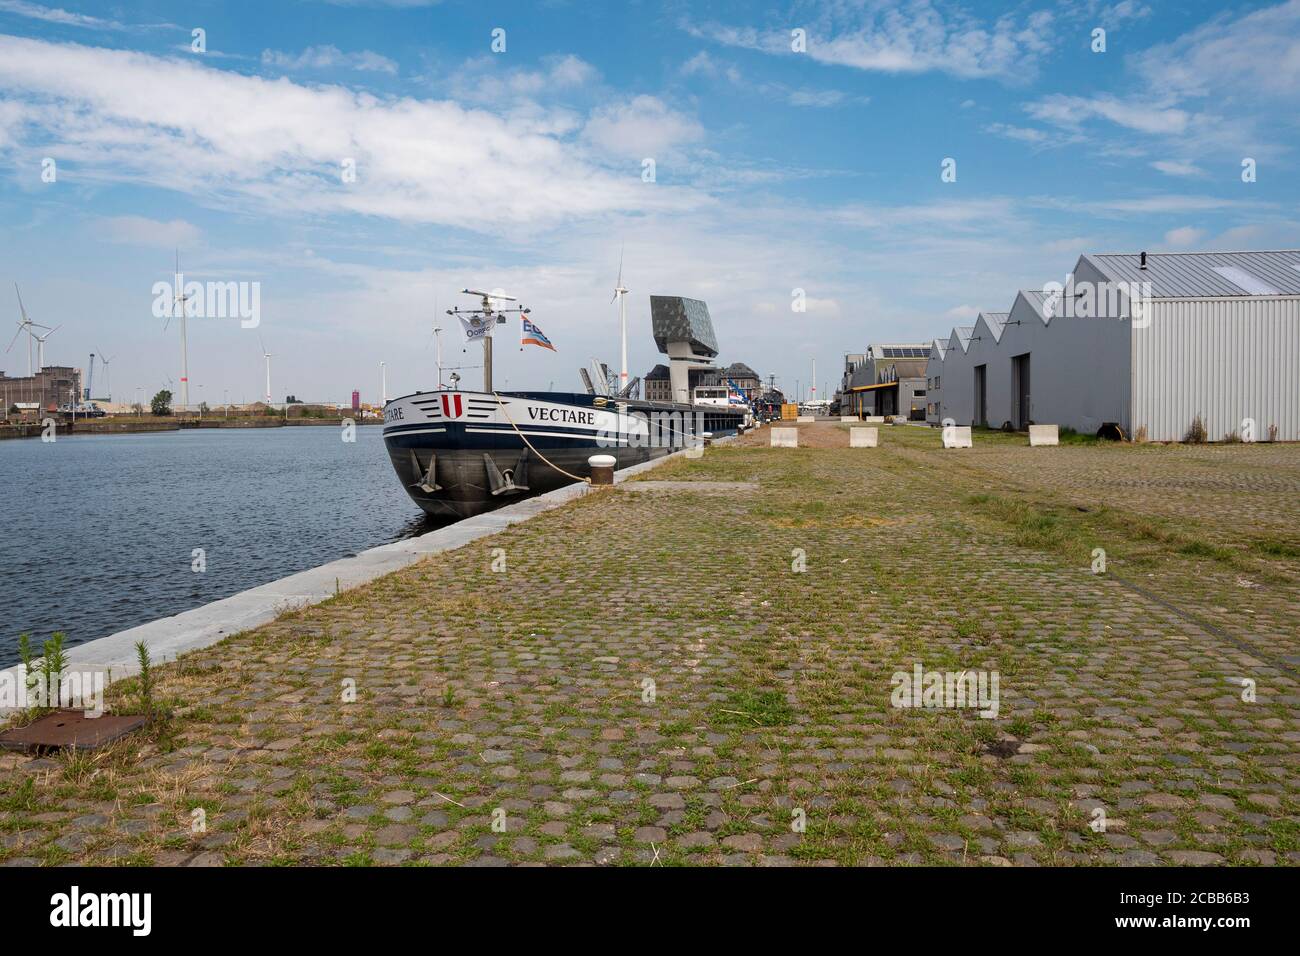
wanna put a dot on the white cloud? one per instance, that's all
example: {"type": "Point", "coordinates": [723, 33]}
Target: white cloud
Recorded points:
{"type": "Point", "coordinates": [1184, 237]}
{"type": "Point", "coordinates": [143, 231]}
{"type": "Point", "coordinates": [702, 64]}
{"type": "Point", "coordinates": [485, 80]}
{"type": "Point", "coordinates": [959, 312]}
{"type": "Point", "coordinates": [643, 126]}
{"type": "Point", "coordinates": [1141, 115]}
{"type": "Point", "coordinates": [1026, 134]}
{"type": "Point", "coordinates": [62, 17]}
{"type": "Point", "coordinates": [911, 38]}
{"type": "Point", "coordinates": [278, 146]}
{"type": "Point", "coordinates": [1174, 168]}
{"type": "Point", "coordinates": [329, 57]}
{"type": "Point", "coordinates": [1251, 55]}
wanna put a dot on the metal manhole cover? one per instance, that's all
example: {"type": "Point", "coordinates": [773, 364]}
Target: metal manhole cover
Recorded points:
{"type": "Point", "coordinates": [71, 728]}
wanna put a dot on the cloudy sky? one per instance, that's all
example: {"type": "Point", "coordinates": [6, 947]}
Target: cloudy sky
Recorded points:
{"type": "Point", "coordinates": [775, 169]}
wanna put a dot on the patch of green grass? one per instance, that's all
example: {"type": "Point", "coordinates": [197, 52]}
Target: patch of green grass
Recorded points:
{"type": "Point", "coordinates": [1276, 549]}
{"type": "Point", "coordinates": [767, 708]}
{"type": "Point", "coordinates": [1203, 549]}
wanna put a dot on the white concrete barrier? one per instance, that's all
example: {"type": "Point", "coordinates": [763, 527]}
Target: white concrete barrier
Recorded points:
{"type": "Point", "coordinates": [956, 436]}
{"type": "Point", "coordinates": [874, 420]}
{"type": "Point", "coordinates": [864, 437]}
{"type": "Point", "coordinates": [1044, 435]}
{"type": "Point", "coordinates": [848, 418]}
{"type": "Point", "coordinates": [804, 419]}
{"type": "Point", "coordinates": [785, 438]}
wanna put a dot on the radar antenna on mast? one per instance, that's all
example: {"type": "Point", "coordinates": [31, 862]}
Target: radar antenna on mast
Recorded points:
{"type": "Point", "coordinates": [487, 315]}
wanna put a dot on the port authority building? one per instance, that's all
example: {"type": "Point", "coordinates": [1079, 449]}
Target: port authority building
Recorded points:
{"type": "Point", "coordinates": [1144, 343]}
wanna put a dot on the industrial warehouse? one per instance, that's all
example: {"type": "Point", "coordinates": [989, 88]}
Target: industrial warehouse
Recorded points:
{"type": "Point", "coordinates": [1158, 347]}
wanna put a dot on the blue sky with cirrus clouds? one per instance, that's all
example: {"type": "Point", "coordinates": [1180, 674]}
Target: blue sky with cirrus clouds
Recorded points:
{"type": "Point", "coordinates": [523, 169]}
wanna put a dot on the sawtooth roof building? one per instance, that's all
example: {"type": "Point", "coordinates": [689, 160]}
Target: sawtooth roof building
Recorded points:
{"type": "Point", "coordinates": [1146, 342]}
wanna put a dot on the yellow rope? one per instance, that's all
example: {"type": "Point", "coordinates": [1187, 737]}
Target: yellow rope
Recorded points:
{"type": "Point", "coordinates": [530, 444]}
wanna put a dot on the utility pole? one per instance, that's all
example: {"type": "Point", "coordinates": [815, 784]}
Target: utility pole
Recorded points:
{"type": "Point", "coordinates": [487, 361]}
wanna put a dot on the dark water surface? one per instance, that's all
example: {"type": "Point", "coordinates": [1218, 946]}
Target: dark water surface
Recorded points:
{"type": "Point", "coordinates": [97, 531]}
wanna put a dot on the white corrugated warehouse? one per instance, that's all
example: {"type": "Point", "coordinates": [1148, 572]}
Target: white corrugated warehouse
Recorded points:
{"type": "Point", "coordinates": [1145, 341]}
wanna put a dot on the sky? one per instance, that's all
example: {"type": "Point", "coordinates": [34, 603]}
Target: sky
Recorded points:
{"type": "Point", "coordinates": [362, 162]}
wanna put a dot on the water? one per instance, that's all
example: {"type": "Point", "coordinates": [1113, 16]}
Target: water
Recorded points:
{"type": "Point", "coordinates": [99, 530]}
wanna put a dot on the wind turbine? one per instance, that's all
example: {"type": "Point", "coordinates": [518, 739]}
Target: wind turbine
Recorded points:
{"type": "Point", "coordinates": [26, 325]}
{"type": "Point", "coordinates": [40, 342]}
{"type": "Point", "coordinates": [104, 360]}
{"type": "Point", "coordinates": [619, 293]}
{"type": "Point", "coordinates": [180, 299]}
{"type": "Point", "coordinates": [266, 355]}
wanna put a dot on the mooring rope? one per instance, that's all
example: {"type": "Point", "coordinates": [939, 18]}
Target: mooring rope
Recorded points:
{"type": "Point", "coordinates": [530, 444]}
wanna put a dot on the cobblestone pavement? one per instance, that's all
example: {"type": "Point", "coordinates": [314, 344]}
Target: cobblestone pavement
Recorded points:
{"type": "Point", "coordinates": [651, 681]}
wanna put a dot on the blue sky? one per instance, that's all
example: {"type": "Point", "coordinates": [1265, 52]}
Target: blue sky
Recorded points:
{"type": "Point", "coordinates": [775, 170]}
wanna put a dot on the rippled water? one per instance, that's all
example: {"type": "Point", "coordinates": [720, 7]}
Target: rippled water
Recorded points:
{"type": "Point", "coordinates": [98, 530]}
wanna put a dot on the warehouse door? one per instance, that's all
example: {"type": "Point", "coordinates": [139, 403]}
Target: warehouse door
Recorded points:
{"type": "Point", "coordinates": [981, 396]}
{"type": "Point", "coordinates": [1020, 376]}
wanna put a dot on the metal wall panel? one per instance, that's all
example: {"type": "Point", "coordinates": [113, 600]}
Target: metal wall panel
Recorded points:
{"type": "Point", "coordinates": [1224, 359]}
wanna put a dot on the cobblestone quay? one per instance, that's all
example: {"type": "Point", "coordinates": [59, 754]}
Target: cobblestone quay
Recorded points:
{"type": "Point", "coordinates": [708, 674]}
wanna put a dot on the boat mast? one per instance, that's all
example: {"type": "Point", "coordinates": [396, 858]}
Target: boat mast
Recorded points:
{"type": "Point", "coordinates": [488, 316]}
{"type": "Point", "coordinates": [620, 293]}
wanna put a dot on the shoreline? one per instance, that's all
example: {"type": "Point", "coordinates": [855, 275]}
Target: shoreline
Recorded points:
{"type": "Point", "coordinates": [100, 426]}
{"type": "Point", "coordinates": [211, 623]}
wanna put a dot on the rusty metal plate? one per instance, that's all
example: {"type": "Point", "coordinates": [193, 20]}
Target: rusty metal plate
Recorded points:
{"type": "Point", "coordinates": [71, 729]}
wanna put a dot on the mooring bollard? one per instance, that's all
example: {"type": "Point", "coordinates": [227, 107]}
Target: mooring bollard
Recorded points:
{"type": "Point", "coordinates": [602, 469]}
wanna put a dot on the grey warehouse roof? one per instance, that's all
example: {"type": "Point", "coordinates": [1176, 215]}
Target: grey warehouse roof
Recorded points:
{"type": "Point", "coordinates": [1177, 275]}
{"type": "Point", "coordinates": [677, 319]}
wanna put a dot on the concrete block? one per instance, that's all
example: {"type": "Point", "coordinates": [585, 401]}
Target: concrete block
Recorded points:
{"type": "Point", "coordinates": [956, 436]}
{"type": "Point", "coordinates": [1044, 435]}
{"type": "Point", "coordinates": [785, 438]}
{"type": "Point", "coordinates": [874, 420]}
{"type": "Point", "coordinates": [848, 418]}
{"type": "Point", "coordinates": [864, 437]}
{"type": "Point", "coordinates": [804, 419]}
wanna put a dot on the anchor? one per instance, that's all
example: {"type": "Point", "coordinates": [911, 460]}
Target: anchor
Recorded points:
{"type": "Point", "coordinates": [511, 480]}
{"type": "Point", "coordinates": [426, 481]}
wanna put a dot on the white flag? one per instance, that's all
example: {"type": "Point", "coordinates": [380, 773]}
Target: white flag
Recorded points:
{"type": "Point", "coordinates": [476, 327]}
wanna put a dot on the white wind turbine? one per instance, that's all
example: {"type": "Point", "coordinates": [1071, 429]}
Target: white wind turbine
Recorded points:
{"type": "Point", "coordinates": [104, 360]}
{"type": "Point", "coordinates": [180, 299]}
{"type": "Point", "coordinates": [619, 293]}
{"type": "Point", "coordinates": [25, 325]}
{"type": "Point", "coordinates": [40, 343]}
{"type": "Point", "coordinates": [267, 356]}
